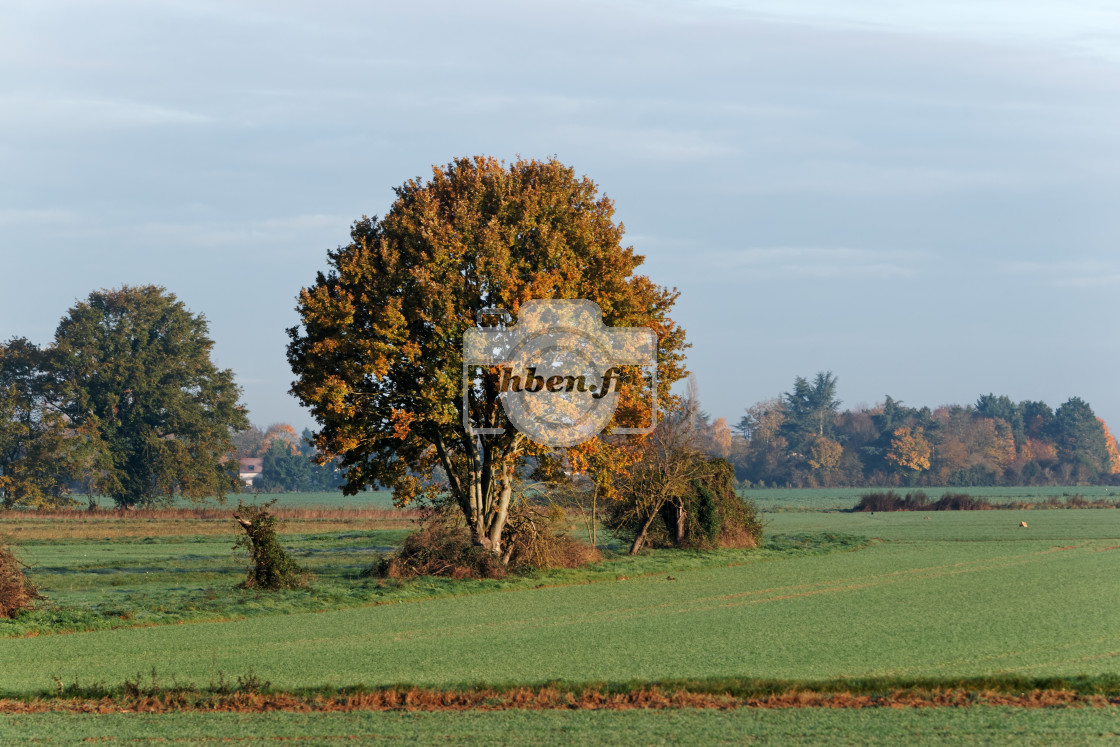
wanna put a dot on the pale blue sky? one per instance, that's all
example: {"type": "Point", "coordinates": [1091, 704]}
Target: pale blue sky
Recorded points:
{"type": "Point", "coordinates": [920, 197]}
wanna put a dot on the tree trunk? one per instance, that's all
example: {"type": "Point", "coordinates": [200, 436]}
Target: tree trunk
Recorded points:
{"type": "Point", "coordinates": [485, 492]}
{"type": "Point", "coordinates": [641, 538]}
{"type": "Point", "coordinates": [499, 517]}
{"type": "Point", "coordinates": [680, 512]}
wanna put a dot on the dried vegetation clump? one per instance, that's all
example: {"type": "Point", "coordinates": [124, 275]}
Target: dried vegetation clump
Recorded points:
{"type": "Point", "coordinates": [537, 698]}
{"type": "Point", "coordinates": [536, 537]}
{"type": "Point", "coordinates": [17, 593]}
{"type": "Point", "coordinates": [441, 547]}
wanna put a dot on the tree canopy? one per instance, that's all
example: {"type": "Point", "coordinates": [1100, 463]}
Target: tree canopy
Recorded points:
{"type": "Point", "coordinates": [378, 357]}
{"type": "Point", "coordinates": [134, 368]}
{"type": "Point", "coordinates": [40, 454]}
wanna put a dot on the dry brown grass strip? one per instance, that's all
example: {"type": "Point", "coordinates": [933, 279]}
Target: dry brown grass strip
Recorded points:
{"type": "Point", "coordinates": [108, 523]}
{"type": "Point", "coordinates": [208, 512]}
{"type": "Point", "coordinates": [546, 698]}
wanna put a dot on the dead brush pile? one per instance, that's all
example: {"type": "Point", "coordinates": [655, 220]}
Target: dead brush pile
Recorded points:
{"type": "Point", "coordinates": [441, 547]}
{"type": "Point", "coordinates": [16, 590]}
{"type": "Point", "coordinates": [536, 538]}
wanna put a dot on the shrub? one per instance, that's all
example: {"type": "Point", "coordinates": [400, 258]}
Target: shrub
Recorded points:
{"type": "Point", "coordinates": [271, 566]}
{"type": "Point", "coordinates": [960, 502]}
{"type": "Point", "coordinates": [919, 501]}
{"type": "Point", "coordinates": [721, 517]}
{"type": "Point", "coordinates": [706, 513]}
{"type": "Point", "coordinates": [16, 590]}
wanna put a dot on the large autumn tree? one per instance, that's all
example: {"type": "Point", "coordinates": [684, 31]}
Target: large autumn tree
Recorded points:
{"type": "Point", "coordinates": [135, 364]}
{"type": "Point", "coordinates": [379, 354]}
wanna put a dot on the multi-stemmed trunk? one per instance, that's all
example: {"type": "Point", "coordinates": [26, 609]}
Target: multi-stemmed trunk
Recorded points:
{"type": "Point", "coordinates": [483, 489]}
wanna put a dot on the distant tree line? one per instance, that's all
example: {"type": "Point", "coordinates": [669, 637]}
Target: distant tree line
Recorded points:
{"type": "Point", "coordinates": [289, 464]}
{"type": "Point", "coordinates": [803, 439]}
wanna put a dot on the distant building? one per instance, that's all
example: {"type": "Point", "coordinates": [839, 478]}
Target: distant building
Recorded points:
{"type": "Point", "coordinates": [250, 469]}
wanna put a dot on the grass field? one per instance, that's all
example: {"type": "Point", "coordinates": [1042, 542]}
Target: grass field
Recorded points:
{"type": "Point", "coordinates": [821, 499]}
{"type": "Point", "coordinates": [769, 499]}
{"type": "Point", "coordinates": [808, 727]}
{"type": "Point", "coordinates": [936, 601]}
{"type": "Point", "coordinates": [832, 596]}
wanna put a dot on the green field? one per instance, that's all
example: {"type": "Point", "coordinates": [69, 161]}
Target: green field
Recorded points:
{"type": "Point", "coordinates": [769, 499]}
{"type": "Point", "coordinates": [808, 727]}
{"type": "Point", "coordinates": [822, 499]}
{"type": "Point", "coordinates": [831, 596]}
{"type": "Point", "coordinates": [955, 595]}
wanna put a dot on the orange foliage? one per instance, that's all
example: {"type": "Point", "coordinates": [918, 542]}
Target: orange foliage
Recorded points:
{"type": "Point", "coordinates": [720, 438]}
{"type": "Point", "coordinates": [909, 449]}
{"type": "Point", "coordinates": [383, 330]}
{"type": "Point", "coordinates": [1113, 452]}
{"type": "Point", "coordinates": [282, 432]}
{"type": "Point", "coordinates": [824, 454]}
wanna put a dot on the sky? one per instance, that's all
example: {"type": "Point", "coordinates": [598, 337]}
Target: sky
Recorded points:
{"type": "Point", "coordinates": [919, 197]}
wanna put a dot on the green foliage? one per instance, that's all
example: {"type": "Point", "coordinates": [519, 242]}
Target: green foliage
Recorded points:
{"type": "Point", "coordinates": [41, 455]}
{"type": "Point", "coordinates": [132, 373]}
{"type": "Point", "coordinates": [811, 408]}
{"type": "Point", "coordinates": [714, 514]}
{"type": "Point", "coordinates": [322, 476]}
{"type": "Point", "coordinates": [701, 510]}
{"type": "Point", "coordinates": [1079, 438]}
{"type": "Point", "coordinates": [283, 471]}
{"type": "Point", "coordinates": [271, 567]}
{"type": "Point", "coordinates": [707, 514]}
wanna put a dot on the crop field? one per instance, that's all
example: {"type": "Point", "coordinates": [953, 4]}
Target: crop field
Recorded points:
{"type": "Point", "coordinates": [823, 499]}
{"type": "Point", "coordinates": [798, 727]}
{"type": "Point", "coordinates": [833, 602]}
{"type": "Point", "coordinates": [768, 499]}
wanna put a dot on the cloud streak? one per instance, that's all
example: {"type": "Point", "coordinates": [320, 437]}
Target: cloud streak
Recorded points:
{"type": "Point", "coordinates": [1077, 273]}
{"type": "Point", "coordinates": [815, 262]}
{"type": "Point", "coordinates": [65, 112]}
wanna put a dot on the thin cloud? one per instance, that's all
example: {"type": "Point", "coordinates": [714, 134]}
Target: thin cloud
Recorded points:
{"type": "Point", "coordinates": [1080, 26]}
{"type": "Point", "coordinates": [1080, 273]}
{"type": "Point", "coordinates": [816, 262]}
{"type": "Point", "coordinates": [38, 217]}
{"type": "Point", "coordinates": [656, 143]}
{"type": "Point", "coordinates": [80, 113]}
{"type": "Point", "coordinates": [244, 234]}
